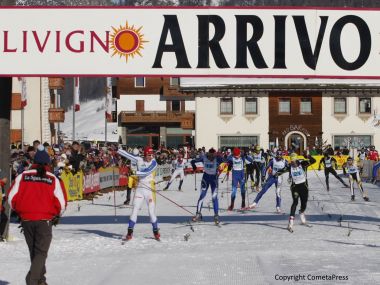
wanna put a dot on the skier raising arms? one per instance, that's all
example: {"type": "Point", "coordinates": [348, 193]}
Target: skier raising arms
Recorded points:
{"type": "Point", "coordinates": [178, 169]}
{"type": "Point", "coordinates": [329, 163]}
{"type": "Point", "coordinates": [299, 187]}
{"type": "Point", "coordinates": [145, 189]}
{"type": "Point", "coordinates": [211, 163]}
{"type": "Point", "coordinates": [274, 166]}
{"type": "Point", "coordinates": [236, 163]}
{"type": "Point", "coordinates": [353, 173]}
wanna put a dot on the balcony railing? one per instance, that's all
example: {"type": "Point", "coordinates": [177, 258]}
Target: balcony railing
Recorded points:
{"type": "Point", "coordinates": [56, 83]}
{"type": "Point", "coordinates": [56, 115]}
{"type": "Point", "coordinates": [186, 119]}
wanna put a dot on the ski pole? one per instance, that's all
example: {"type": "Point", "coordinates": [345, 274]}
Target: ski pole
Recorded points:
{"type": "Point", "coordinates": [170, 200]}
{"type": "Point", "coordinates": [195, 180]}
{"type": "Point", "coordinates": [336, 206]}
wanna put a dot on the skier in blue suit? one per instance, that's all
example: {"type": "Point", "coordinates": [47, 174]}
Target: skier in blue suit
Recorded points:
{"type": "Point", "coordinates": [275, 165]}
{"type": "Point", "coordinates": [211, 163]}
{"type": "Point", "coordinates": [237, 163]}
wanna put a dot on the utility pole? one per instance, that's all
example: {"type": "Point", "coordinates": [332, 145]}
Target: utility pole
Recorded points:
{"type": "Point", "coordinates": [5, 130]}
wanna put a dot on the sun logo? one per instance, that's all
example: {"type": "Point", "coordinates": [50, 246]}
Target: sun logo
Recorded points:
{"type": "Point", "coordinates": [127, 41]}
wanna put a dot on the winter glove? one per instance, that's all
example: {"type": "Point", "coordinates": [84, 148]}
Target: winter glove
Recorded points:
{"type": "Point", "coordinates": [55, 220]}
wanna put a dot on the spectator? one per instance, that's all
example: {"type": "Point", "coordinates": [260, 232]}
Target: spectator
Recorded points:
{"type": "Point", "coordinates": [75, 156]}
{"type": "Point", "coordinates": [38, 197]}
{"type": "Point", "coordinates": [3, 216]}
{"type": "Point", "coordinates": [373, 154]}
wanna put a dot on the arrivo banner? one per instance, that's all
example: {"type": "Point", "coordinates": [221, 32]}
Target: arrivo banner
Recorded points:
{"type": "Point", "coordinates": [196, 41]}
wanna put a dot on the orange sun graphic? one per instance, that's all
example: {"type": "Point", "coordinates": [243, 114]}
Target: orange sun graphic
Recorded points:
{"type": "Point", "coordinates": [127, 41]}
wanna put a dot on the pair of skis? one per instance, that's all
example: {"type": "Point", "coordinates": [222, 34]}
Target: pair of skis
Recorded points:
{"type": "Point", "coordinates": [124, 239]}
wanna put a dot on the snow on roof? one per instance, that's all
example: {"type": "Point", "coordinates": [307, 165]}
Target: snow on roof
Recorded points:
{"type": "Point", "coordinates": [193, 82]}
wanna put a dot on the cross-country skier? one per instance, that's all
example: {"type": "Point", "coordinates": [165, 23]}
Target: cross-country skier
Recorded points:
{"type": "Point", "coordinates": [178, 166]}
{"type": "Point", "coordinates": [329, 163]}
{"type": "Point", "coordinates": [354, 175]}
{"type": "Point", "coordinates": [249, 170]}
{"type": "Point", "coordinates": [362, 155]}
{"type": "Point", "coordinates": [259, 158]}
{"type": "Point", "coordinates": [299, 186]}
{"type": "Point", "coordinates": [211, 163]}
{"type": "Point", "coordinates": [145, 189]}
{"type": "Point", "coordinates": [275, 165]}
{"type": "Point", "coordinates": [236, 163]}
{"type": "Point", "coordinates": [132, 178]}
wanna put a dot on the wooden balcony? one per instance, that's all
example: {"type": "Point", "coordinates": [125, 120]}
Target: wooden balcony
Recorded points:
{"type": "Point", "coordinates": [56, 115]}
{"type": "Point", "coordinates": [56, 83]}
{"type": "Point", "coordinates": [16, 101]}
{"type": "Point", "coordinates": [186, 119]}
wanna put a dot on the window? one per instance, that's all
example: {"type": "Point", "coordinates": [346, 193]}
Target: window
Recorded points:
{"type": "Point", "coordinates": [237, 141]}
{"type": "Point", "coordinates": [284, 106]}
{"type": "Point", "coordinates": [139, 81]}
{"type": "Point", "coordinates": [305, 106]}
{"type": "Point", "coordinates": [174, 81]}
{"type": "Point", "coordinates": [174, 141]}
{"type": "Point", "coordinates": [134, 141]}
{"type": "Point", "coordinates": [176, 105]}
{"type": "Point", "coordinates": [365, 105]}
{"type": "Point", "coordinates": [140, 105]}
{"type": "Point", "coordinates": [226, 106]}
{"type": "Point", "coordinates": [352, 141]}
{"type": "Point", "coordinates": [250, 105]}
{"type": "Point", "coordinates": [340, 106]}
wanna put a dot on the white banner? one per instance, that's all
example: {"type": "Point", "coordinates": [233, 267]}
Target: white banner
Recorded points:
{"type": "Point", "coordinates": [193, 41]}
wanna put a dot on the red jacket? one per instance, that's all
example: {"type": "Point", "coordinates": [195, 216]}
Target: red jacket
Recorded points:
{"type": "Point", "coordinates": [34, 198]}
{"type": "Point", "coordinates": [373, 155]}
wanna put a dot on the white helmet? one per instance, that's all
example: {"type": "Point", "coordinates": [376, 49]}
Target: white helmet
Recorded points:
{"type": "Point", "coordinates": [135, 152]}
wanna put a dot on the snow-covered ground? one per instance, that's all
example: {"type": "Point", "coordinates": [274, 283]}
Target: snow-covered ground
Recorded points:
{"type": "Point", "coordinates": [89, 123]}
{"type": "Point", "coordinates": [250, 248]}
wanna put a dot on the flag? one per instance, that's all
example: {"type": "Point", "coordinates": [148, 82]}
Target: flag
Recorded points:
{"type": "Point", "coordinates": [22, 80]}
{"type": "Point", "coordinates": [109, 99]}
{"type": "Point", "coordinates": [76, 94]}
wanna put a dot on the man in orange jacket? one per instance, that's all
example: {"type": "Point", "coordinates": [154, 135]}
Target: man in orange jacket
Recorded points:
{"type": "Point", "coordinates": [39, 198]}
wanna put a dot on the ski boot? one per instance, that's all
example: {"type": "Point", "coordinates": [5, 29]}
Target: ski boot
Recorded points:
{"type": "Point", "coordinates": [129, 234]}
{"type": "Point", "coordinates": [216, 220]}
{"type": "Point", "coordinates": [231, 207]}
{"type": "Point", "coordinates": [252, 206]}
{"type": "Point", "coordinates": [197, 217]}
{"type": "Point", "coordinates": [352, 197]}
{"type": "Point", "coordinates": [366, 198]}
{"type": "Point", "coordinates": [180, 185]}
{"type": "Point", "coordinates": [303, 218]}
{"type": "Point", "coordinates": [291, 223]}
{"type": "Point", "coordinates": [156, 234]}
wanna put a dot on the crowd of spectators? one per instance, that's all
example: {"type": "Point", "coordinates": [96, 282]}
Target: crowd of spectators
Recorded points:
{"type": "Point", "coordinates": [88, 156]}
